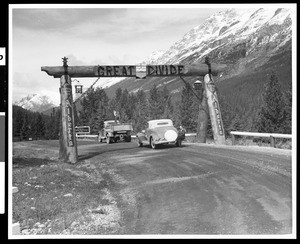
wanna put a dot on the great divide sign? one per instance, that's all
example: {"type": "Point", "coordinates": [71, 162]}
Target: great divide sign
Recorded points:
{"type": "Point", "coordinates": [133, 71]}
{"type": "Point", "coordinates": [68, 144]}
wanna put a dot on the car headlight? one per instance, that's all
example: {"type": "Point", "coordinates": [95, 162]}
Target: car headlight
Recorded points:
{"type": "Point", "coordinates": [170, 135]}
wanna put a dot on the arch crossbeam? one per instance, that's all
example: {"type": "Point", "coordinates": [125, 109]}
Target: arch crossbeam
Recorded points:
{"type": "Point", "coordinates": [132, 70]}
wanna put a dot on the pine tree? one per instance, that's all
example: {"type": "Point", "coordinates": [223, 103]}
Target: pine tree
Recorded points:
{"type": "Point", "coordinates": [154, 103]}
{"type": "Point", "coordinates": [39, 127]}
{"type": "Point", "coordinates": [272, 114]}
{"type": "Point", "coordinates": [99, 112]}
{"type": "Point", "coordinates": [24, 131]}
{"type": "Point", "coordinates": [141, 112]}
{"type": "Point", "coordinates": [89, 106]}
{"type": "Point", "coordinates": [102, 111]}
{"type": "Point", "coordinates": [124, 107]}
{"type": "Point", "coordinates": [235, 125]}
{"type": "Point", "coordinates": [76, 115]}
{"type": "Point", "coordinates": [18, 116]}
{"type": "Point", "coordinates": [166, 101]}
{"type": "Point", "coordinates": [131, 107]}
{"type": "Point", "coordinates": [94, 103]}
{"type": "Point", "coordinates": [124, 104]}
{"type": "Point", "coordinates": [57, 124]}
{"type": "Point", "coordinates": [288, 112]}
{"type": "Point", "coordinates": [189, 109]}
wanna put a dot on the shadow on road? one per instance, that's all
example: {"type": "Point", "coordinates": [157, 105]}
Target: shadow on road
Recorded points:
{"type": "Point", "coordinates": [93, 153]}
{"type": "Point", "coordinates": [168, 146]}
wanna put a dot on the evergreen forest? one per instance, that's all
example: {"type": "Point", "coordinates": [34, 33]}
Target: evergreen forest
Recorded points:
{"type": "Point", "coordinates": [270, 112]}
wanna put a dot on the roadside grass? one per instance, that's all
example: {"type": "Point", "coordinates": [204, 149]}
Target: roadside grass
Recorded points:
{"type": "Point", "coordinates": [249, 141]}
{"type": "Point", "coordinates": [58, 198]}
{"type": "Point", "coordinates": [262, 142]}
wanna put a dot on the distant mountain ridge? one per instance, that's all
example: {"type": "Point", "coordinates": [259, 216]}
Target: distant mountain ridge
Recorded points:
{"type": "Point", "coordinates": [36, 103]}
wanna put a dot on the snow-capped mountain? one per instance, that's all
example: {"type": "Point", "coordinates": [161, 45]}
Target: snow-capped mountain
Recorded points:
{"type": "Point", "coordinates": [253, 27]}
{"type": "Point", "coordinates": [246, 40]}
{"type": "Point", "coordinates": [36, 103]}
{"type": "Point", "coordinates": [154, 56]}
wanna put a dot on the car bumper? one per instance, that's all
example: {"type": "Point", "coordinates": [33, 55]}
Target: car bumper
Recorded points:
{"type": "Point", "coordinates": [164, 142]}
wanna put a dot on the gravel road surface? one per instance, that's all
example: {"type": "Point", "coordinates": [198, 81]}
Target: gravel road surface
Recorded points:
{"type": "Point", "coordinates": [197, 189]}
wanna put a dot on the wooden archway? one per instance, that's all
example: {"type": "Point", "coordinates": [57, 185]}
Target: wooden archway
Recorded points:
{"type": "Point", "coordinates": [68, 145]}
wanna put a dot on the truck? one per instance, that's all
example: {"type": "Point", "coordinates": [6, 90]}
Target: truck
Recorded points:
{"type": "Point", "coordinates": [114, 131]}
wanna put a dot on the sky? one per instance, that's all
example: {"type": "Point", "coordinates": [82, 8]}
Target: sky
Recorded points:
{"type": "Point", "coordinates": [41, 35]}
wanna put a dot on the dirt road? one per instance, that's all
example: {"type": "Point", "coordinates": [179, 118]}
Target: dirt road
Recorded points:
{"type": "Point", "coordinates": [197, 189]}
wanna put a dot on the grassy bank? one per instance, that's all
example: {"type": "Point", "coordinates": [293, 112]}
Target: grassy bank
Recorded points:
{"type": "Point", "coordinates": [59, 198]}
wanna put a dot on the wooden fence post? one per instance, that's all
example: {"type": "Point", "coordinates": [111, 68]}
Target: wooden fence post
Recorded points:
{"type": "Point", "coordinates": [272, 139]}
{"type": "Point", "coordinates": [233, 139]}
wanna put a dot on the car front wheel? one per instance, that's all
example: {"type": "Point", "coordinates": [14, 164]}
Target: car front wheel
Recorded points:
{"type": "Point", "coordinates": [152, 143]}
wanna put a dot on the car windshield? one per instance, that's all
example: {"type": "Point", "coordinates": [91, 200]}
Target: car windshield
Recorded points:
{"type": "Point", "coordinates": [154, 124]}
{"type": "Point", "coordinates": [163, 123]}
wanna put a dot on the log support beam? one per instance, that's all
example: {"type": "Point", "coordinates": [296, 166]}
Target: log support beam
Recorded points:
{"type": "Point", "coordinates": [68, 144]}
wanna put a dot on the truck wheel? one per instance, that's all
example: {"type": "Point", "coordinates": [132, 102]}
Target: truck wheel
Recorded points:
{"type": "Point", "coordinates": [128, 139]}
{"type": "Point", "coordinates": [152, 143]}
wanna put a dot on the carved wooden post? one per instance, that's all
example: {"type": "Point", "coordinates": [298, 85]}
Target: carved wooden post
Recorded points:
{"type": "Point", "coordinates": [68, 143]}
{"type": "Point", "coordinates": [214, 110]}
{"type": "Point", "coordinates": [202, 118]}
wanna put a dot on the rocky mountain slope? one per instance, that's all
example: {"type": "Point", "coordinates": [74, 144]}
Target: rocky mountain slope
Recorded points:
{"type": "Point", "coordinates": [248, 41]}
